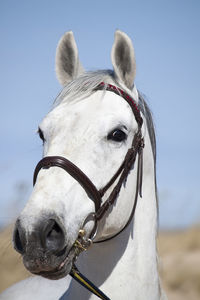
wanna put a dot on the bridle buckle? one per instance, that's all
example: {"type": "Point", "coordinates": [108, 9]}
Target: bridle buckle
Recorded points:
{"type": "Point", "coordinates": [82, 244]}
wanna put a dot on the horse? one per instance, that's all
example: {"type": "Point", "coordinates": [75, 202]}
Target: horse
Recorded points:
{"type": "Point", "coordinates": [94, 204]}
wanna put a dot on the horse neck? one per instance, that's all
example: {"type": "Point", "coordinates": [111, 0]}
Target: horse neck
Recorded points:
{"type": "Point", "coordinates": [126, 266]}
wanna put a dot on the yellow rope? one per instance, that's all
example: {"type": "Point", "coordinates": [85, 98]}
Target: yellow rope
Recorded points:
{"type": "Point", "coordinates": [87, 284]}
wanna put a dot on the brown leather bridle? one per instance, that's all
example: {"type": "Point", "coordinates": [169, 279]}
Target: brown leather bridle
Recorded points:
{"type": "Point", "coordinates": [122, 173]}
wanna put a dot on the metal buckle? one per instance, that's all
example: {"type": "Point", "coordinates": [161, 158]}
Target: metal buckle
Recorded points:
{"type": "Point", "coordinates": [82, 244]}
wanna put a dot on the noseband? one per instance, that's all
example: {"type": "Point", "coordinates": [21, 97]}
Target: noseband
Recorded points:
{"type": "Point", "coordinates": [122, 173]}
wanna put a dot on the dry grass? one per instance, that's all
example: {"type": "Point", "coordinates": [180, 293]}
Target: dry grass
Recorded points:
{"type": "Point", "coordinates": [179, 263]}
{"type": "Point", "coordinates": [11, 266]}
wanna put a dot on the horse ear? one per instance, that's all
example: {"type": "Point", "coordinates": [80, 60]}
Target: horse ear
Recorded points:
{"type": "Point", "coordinates": [123, 59]}
{"type": "Point", "coordinates": [68, 66]}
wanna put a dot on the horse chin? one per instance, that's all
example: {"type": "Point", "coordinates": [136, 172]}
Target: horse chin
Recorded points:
{"type": "Point", "coordinates": [58, 268]}
{"type": "Point", "coordinates": [58, 273]}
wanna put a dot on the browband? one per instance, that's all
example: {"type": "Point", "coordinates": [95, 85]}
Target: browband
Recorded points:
{"type": "Point", "coordinates": [127, 97]}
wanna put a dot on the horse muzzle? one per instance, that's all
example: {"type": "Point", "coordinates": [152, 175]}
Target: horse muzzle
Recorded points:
{"type": "Point", "coordinates": [44, 249]}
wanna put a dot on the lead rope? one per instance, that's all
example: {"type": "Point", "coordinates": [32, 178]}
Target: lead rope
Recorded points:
{"type": "Point", "coordinates": [86, 283]}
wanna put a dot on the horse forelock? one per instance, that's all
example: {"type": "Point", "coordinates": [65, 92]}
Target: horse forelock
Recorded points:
{"type": "Point", "coordinates": [83, 86]}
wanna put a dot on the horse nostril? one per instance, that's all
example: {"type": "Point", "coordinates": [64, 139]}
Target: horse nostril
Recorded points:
{"type": "Point", "coordinates": [18, 239]}
{"type": "Point", "coordinates": [53, 236]}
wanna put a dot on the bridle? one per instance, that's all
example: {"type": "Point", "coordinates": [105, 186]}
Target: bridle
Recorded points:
{"type": "Point", "coordinates": [122, 173]}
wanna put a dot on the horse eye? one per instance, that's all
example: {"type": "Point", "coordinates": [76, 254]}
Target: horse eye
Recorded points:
{"type": "Point", "coordinates": [117, 135]}
{"type": "Point", "coordinates": [41, 135]}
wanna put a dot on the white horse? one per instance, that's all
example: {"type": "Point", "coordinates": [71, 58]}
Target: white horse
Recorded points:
{"type": "Point", "coordinates": [92, 124]}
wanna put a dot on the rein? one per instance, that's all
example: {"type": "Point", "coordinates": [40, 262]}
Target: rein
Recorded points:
{"type": "Point", "coordinates": [82, 243]}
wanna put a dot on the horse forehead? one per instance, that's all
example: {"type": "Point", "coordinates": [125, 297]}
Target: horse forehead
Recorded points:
{"type": "Point", "coordinates": [99, 106]}
{"type": "Point", "coordinates": [116, 104]}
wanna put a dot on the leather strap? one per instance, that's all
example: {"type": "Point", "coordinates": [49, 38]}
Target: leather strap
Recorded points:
{"type": "Point", "coordinates": [127, 98]}
{"type": "Point", "coordinates": [137, 191]}
{"type": "Point", "coordinates": [59, 161]}
{"type": "Point", "coordinates": [125, 168]}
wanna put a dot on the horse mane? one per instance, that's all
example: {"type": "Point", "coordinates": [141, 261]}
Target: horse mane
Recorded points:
{"type": "Point", "coordinates": [143, 106]}
{"type": "Point", "coordinates": [85, 85]}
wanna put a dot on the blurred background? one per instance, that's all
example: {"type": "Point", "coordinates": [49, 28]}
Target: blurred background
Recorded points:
{"type": "Point", "coordinates": [166, 39]}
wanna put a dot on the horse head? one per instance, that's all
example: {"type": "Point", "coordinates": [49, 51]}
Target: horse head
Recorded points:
{"type": "Point", "coordinates": [90, 128]}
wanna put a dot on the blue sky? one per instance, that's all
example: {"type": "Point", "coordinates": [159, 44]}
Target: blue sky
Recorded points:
{"type": "Point", "coordinates": [166, 38]}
